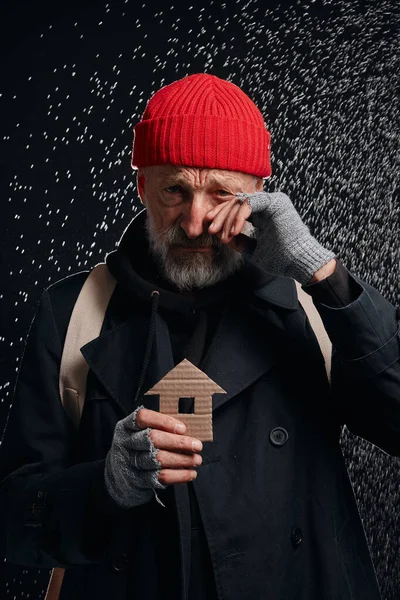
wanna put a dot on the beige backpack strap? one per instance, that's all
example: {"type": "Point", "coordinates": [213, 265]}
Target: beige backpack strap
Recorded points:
{"type": "Point", "coordinates": [85, 324]}
{"type": "Point", "coordinates": [316, 323]}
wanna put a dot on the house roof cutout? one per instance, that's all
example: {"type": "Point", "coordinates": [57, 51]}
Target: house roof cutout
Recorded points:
{"type": "Point", "coordinates": [185, 380]}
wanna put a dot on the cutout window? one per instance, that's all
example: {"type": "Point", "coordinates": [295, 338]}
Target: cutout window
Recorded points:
{"type": "Point", "coordinates": [186, 406]}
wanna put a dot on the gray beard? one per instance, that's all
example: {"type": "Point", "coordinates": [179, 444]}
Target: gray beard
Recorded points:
{"type": "Point", "coordinates": [191, 270]}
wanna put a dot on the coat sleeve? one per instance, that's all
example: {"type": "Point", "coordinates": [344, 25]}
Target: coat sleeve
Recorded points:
{"type": "Point", "coordinates": [365, 372]}
{"type": "Point", "coordinates": [53, 512]}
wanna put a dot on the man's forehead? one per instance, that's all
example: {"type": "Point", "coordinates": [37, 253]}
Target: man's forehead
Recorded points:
{"type": "Point", "coordinates": [180, 173]}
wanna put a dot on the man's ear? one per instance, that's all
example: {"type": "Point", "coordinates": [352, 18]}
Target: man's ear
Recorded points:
{"type": "Point", "coordinates": [259, 184]}
{"type": "Point", "coordinates": [140, 186]}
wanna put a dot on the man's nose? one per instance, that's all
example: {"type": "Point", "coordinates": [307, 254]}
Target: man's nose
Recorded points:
{"type": "Point", "coordinates": [193, 219]}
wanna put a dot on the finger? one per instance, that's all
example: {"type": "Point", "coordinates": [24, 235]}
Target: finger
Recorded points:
{"type": "Point", "coordinates": [219, 220]}
{"type": "Point", "coordinates": [241, 216]}
{"type": "Point", "coordinates": [214, 211]}
{"type": "Point", "coordinates": [151, 418]}
{"type": "Point", "coordinates": [176, 460]}
{"type": "Point", "coordinates": [170, 441]}
{"type": "Point", "coordinates": [140, 440]}
{"type": "Point", "coordinates": [170, 476]}
{"type": "Point", "coordinates": [217, 209]}
{"type": "Point", "coordinates": [145, 461]}
{"type": "Point", "coordinates": [226, 232]}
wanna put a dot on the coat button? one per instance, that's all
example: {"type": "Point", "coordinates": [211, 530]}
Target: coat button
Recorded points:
{"type": "Point", "coordinates": [296, 537]}
{"type": "Point", "coordinates": [278, 436]}
{"type": "Point", "coordinates": [120, 562]}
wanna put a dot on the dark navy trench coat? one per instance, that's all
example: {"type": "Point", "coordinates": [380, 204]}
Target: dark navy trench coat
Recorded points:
{"type": "Point", "coordinates": [278, 509]}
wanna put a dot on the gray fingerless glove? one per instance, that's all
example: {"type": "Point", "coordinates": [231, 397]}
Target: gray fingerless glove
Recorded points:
{"type": "Point", "coordinates": [285, 245]}
{"type": "Point", "coordinates": [131, 468]}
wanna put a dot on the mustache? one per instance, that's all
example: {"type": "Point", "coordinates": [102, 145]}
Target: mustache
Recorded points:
{"type": "Point", "coordinates": [175, 236]}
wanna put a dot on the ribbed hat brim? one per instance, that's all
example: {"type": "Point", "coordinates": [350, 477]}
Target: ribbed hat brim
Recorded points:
{"type": "Point", "coordinates": [199, 141]}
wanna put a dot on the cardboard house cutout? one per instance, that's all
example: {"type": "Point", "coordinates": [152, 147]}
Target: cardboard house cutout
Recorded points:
{"type": "Point", "coordinates": [187, 381]}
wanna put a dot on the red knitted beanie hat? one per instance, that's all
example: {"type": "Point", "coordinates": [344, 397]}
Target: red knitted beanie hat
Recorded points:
{"type": "Point", "coordinates": [203, 121]}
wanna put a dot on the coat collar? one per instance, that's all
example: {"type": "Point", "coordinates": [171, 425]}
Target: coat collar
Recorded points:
{"type": "Point", "coordinates": [237, 356]}
{"type": "Point", "coordinates": [279, 291]}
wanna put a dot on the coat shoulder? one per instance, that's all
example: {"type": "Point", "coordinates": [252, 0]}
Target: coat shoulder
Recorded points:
{"type": "Point", "coordinates": [71, 284]}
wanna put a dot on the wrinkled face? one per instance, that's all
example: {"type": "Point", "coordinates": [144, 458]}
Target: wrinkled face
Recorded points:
{"type": "Point", "coordinates": [177, 200]}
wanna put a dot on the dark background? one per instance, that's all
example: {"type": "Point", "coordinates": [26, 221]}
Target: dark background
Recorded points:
{"type": "Point", "coordinates": [75, 78]}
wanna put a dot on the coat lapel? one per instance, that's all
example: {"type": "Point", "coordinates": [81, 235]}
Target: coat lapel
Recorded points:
{"type": "Point", "coordinates": [116, 359]}
{"type": "Point", "coordinates": [241, 352]}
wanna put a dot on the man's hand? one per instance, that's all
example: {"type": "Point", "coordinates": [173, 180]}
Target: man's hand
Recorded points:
{"type": "Point", "coordinates": [227, 219]}
{"type": "Point", "coordinates": [285, 245]}
{"type": "Point", "coordinates": [148, 450]}
{"type": "Point", "coordinates": [177, 453]}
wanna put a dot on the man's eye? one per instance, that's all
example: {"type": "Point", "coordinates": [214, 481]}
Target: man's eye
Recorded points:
{"type": "Point", "coordinates": [223, 193]}
{"type": "Point", "coordinates": [173, 189]}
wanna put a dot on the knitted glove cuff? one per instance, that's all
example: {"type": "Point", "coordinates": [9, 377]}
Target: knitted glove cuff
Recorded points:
{"type": "Point", "coordinates": [309, 258]}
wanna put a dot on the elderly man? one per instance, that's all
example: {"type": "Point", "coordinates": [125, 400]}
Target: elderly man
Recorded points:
{"type": "Point", "coordinates": [134, 507]}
